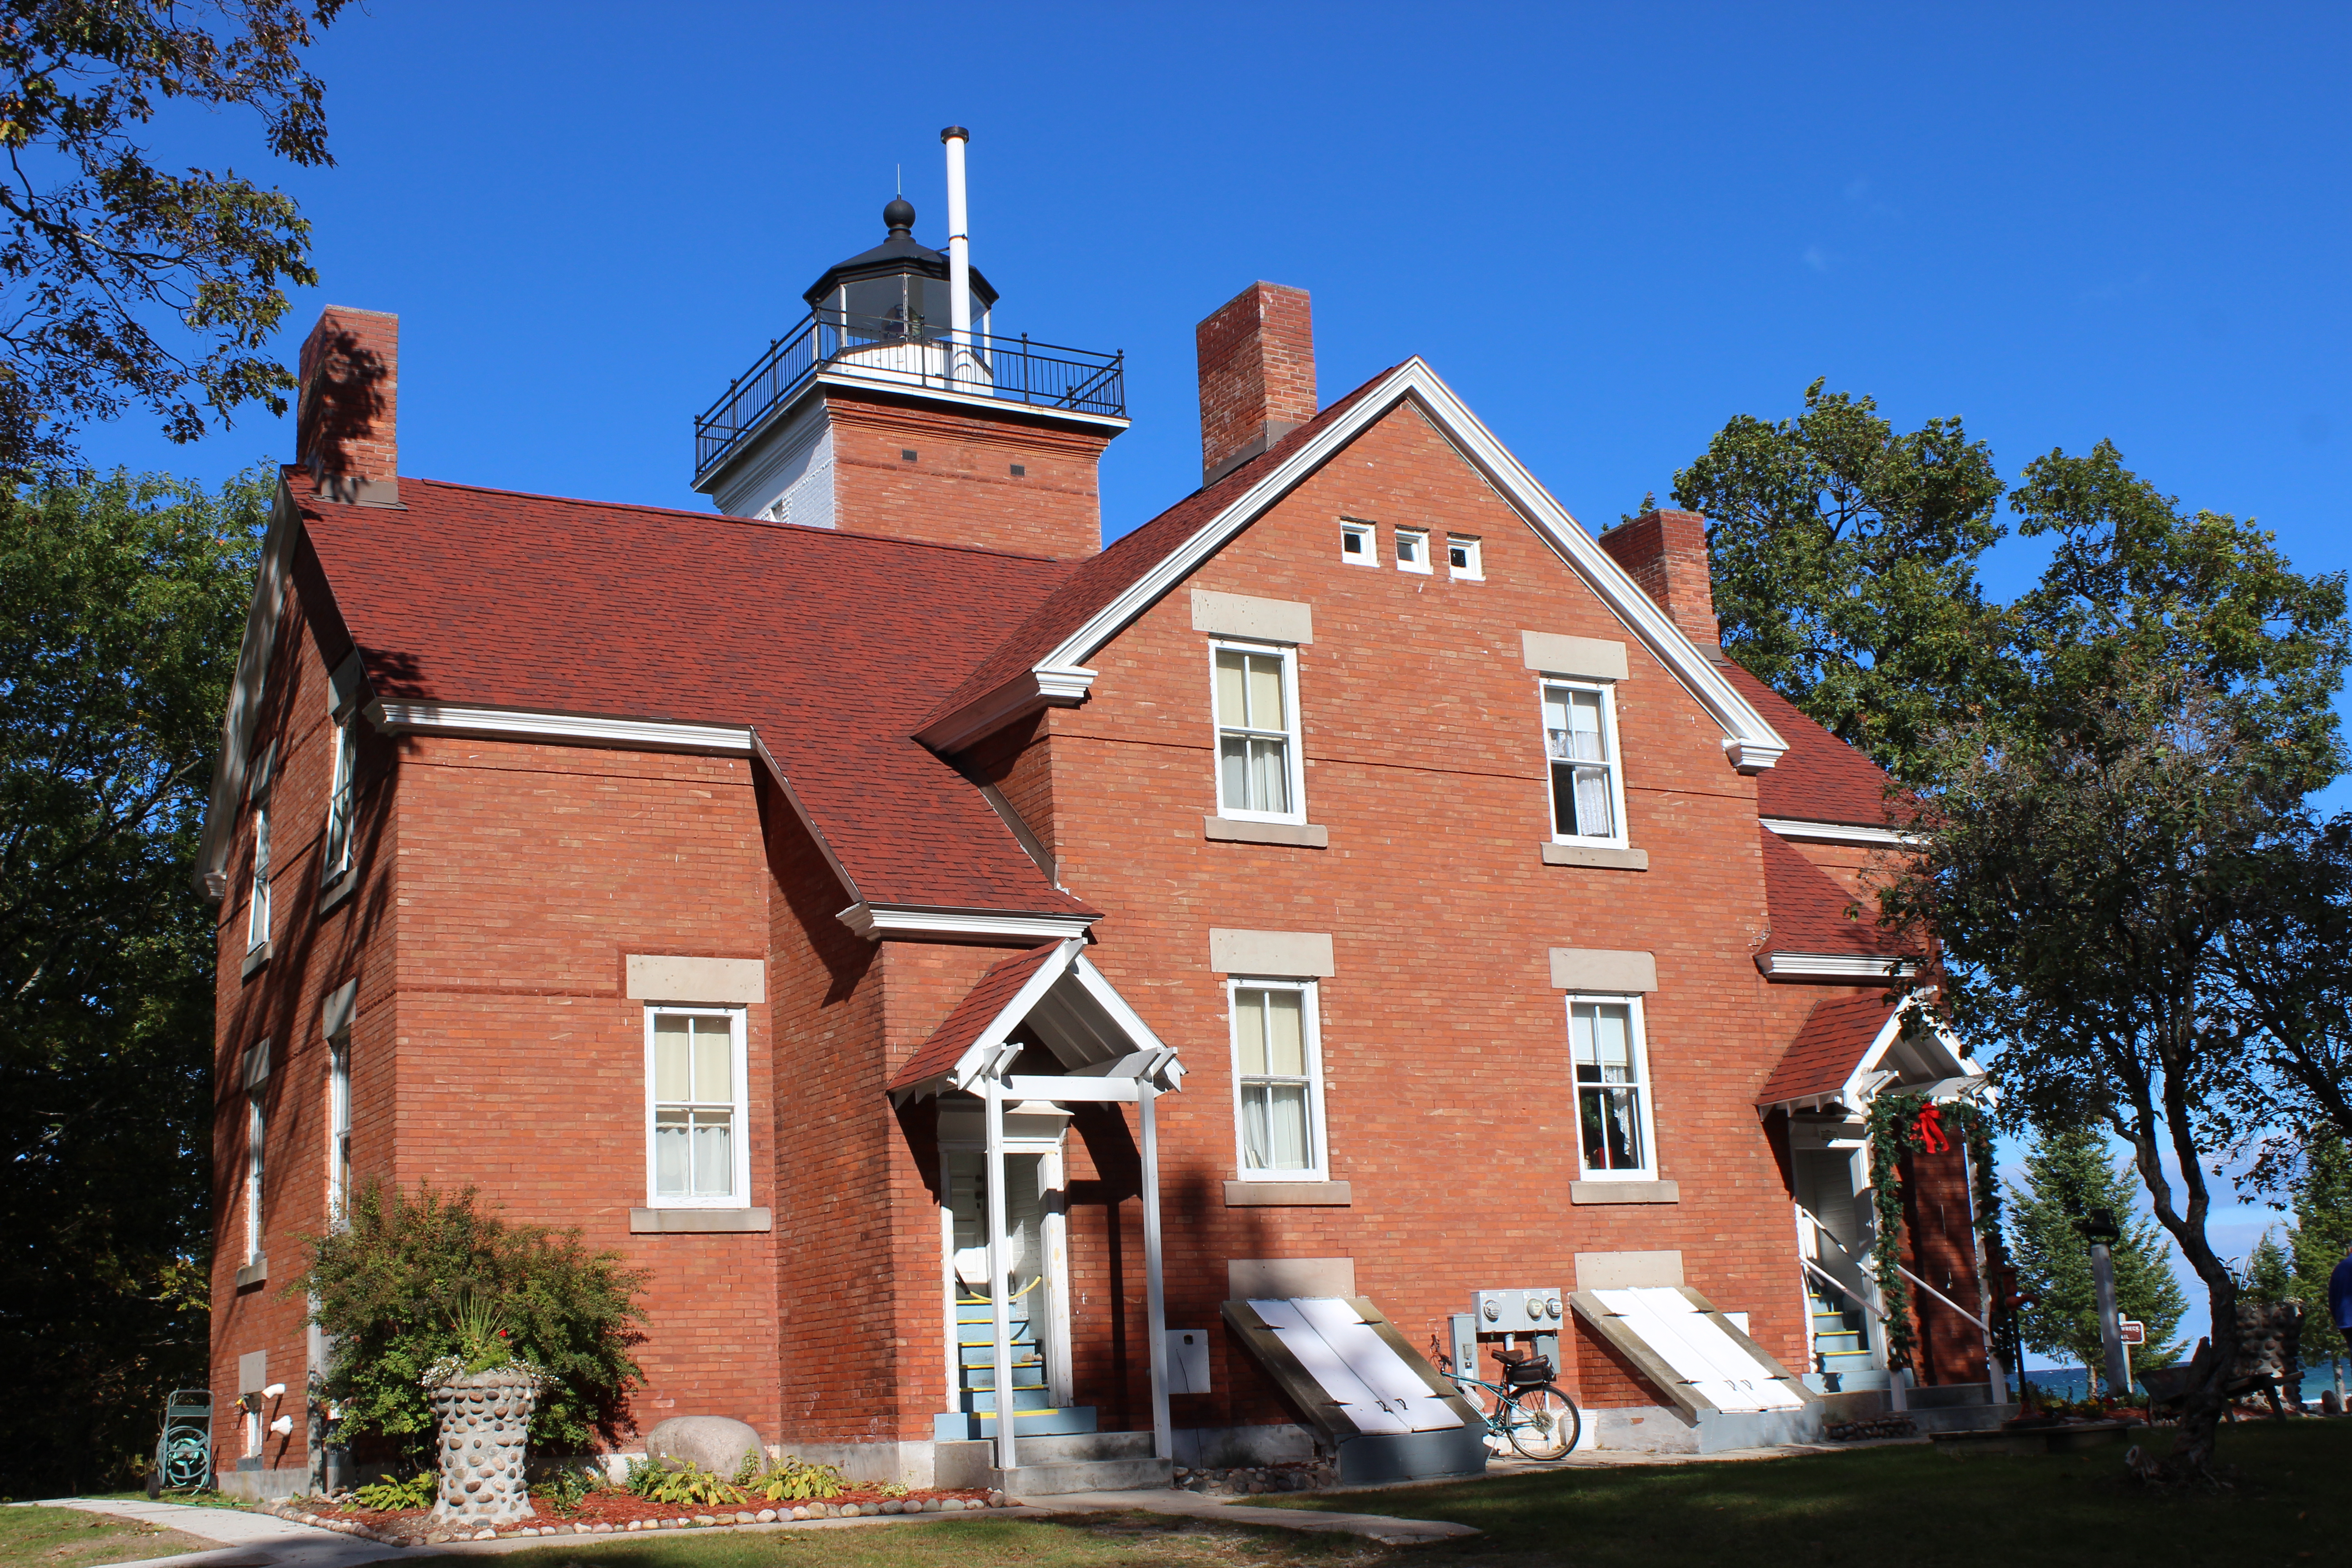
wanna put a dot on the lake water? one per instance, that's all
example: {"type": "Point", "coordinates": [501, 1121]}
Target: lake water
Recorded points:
{"type": "Point", "coordinates": [2074, 1383]}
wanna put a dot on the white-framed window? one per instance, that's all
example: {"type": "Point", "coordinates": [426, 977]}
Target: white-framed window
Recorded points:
{"type": "Point", "coordinates": [1462, 557]}
{"type": "Point", "coordinates": [698, 1149]}
{"type": "Point", "coordinates": [257, 1132]}
{"type": "Point", "coordinates": [1259, 772]}
{"type": "Point", "coordinates": [1278, 1080]}
{"type": "Point", "coordinates": [1587, 787]}
{"type": "Point", "coordinates": [339, 1128]}
{"type": "Point", "coordinates": [1412, 550]}
{"type": "Point", "coordinates": [1610, 1067]}
{"type": "Point", "coordinates": [336, 858]}
{"type": "Point", "coordinates": [256, 917]}
{"type": "Point", "coordinates": [1359, 543]}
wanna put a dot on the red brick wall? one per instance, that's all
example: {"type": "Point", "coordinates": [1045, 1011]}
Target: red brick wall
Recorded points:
{"type": "Point", "coordinates": [313, 952]}
{"type": "Point", "coordinates": [959, 488]}
{"type": "Point", "coordinates": [1444, 1041]}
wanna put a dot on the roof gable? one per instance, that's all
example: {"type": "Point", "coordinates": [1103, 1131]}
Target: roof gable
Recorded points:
{"type": "Point", "coordinates": [1110, 590]}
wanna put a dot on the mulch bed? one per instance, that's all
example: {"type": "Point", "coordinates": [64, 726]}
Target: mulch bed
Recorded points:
{"type": "Point", "coordinates": [609, 1513]}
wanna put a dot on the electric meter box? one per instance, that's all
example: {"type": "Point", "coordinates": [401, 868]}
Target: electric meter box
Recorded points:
{"type": "Point", "coordinates": [1520, 1311]}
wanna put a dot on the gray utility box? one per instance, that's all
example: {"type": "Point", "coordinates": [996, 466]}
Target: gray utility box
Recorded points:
{"type": "Point", "coordinates": [1535, 1310]}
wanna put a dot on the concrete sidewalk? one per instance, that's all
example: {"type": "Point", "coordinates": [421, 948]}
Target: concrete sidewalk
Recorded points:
{"type": "Point", "coordinates": [246, 1538]}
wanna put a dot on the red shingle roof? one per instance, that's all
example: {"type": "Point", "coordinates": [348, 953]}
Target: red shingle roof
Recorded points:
{"type": "Point", "coordinates": [1820, 778]}
{"type": "Point", "coordinates": [1828, 1048]}
{"type": "Point", "coordinates": [978, 1009]}
{"type": "Point", "coordinates": [832, 645]}
{"type": "Point", "coordinates": [1809, 910]}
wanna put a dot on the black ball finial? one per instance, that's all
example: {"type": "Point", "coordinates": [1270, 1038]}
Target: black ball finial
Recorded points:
{"type": "Point", "coordinates": [899, 215]}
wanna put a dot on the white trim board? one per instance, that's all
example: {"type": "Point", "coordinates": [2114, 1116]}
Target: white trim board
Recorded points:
{"type": "Point", "coordinates": [876, 922]}
{"type": "Point", "coordinates": [1843, 833]}
{"type": "Point", "coordinates": [1833, 966]}
{"type": "Point", "coordinates": [263, 612]}
{"type": "Point", "coordinates": [1750, 741]}
{"type": "Point", "coordinates": [394, 718]}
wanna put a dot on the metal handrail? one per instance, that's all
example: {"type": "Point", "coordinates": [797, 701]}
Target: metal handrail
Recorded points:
{"type": "Point", "coordinates": [1015, 370]}
{"type": "Point", "coordinates": [1842, 1289]}
{"type": "Point", "coordinates": [1815, 1221]}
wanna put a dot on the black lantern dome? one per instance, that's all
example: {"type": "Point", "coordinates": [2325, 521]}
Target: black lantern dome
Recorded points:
{"type": "Point", "coordinates": [896, 292]}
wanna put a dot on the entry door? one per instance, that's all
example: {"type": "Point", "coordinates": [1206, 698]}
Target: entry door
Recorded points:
{"type": "Point", "coordinates": [1032, 1287]}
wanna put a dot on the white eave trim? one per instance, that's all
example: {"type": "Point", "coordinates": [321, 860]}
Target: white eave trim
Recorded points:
{"type": "Point", "coordinates": [877, 921]}
{"type": "Point", "coordinates": [1750, 744]}
{"type": "Point", "coordinates": [1833, 966]}
{"type": "Point", "coordinates": [563, 729]}
{"type": "Point", "coordinates": [1843, 833]}
{"type": "Point", "coordinates": [263, 612]}
{"type": "Point", "coordinates": [1042, 686]}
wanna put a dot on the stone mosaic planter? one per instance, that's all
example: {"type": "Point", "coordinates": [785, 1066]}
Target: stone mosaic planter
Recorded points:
{"type": "Point", "coordinates": [485, 1416]}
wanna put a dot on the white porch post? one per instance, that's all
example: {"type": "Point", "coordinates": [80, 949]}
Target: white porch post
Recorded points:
{"type": "Point", "coordinates": [1000, 1308]}
{"type": "Point", "coordinates": [1995, 1374]}
{"type": "Point", "coordinates": [1155, 1304]}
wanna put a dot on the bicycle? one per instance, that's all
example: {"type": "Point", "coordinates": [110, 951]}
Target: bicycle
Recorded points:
{"type": "Point", "coordinates": [1525, 1409]}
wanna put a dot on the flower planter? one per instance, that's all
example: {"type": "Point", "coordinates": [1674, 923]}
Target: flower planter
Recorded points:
{"type": "Point", "coordinates": [485, 1417]}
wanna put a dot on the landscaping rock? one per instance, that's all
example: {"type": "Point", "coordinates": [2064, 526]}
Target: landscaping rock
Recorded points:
{"type": "Point", "coordinates": [716, 1443]}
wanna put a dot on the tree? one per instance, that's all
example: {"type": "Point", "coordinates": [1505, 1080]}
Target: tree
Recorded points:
{"type": "Point", "coordinates": [1844, 556]}
{"type": "Point", "coordinates": [2269, 1277]}
{"type": "Point", "coordinates": [2320, 1237]}
{"type": "Point", "coordinates": [100, 248]}
{"type": "Point", "coordinates": [2290, 972]}
{"type": "Point", "coordinates": [389, 1287]}
{"type": "Point", "coordinates": [2068, 1176]}
{"type": "Point", "coordinates": [121, 605]}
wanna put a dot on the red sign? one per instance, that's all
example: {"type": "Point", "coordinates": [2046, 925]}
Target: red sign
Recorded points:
{"type": "Point", "coordinates": [2131, 1330]}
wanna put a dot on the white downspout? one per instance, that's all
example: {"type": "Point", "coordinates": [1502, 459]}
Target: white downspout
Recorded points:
{"type": "Point", "coordinates": [1001, 1308]}
{"type": "Point", "coordinates": [959, 256]}
{"type": "Point", "coordinates": [1155, 1303]}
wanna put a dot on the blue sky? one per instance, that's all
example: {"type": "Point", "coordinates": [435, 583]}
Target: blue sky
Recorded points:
{"type": "Point", "coordinates": [1609, 227]}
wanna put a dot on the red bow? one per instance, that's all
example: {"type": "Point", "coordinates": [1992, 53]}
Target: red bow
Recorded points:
{"type": "Point", "coordinates": [1931, 1128]}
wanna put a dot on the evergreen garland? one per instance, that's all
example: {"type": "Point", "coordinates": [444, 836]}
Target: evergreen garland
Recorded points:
{"type": "Point", "coordinates": [1894, 1131]}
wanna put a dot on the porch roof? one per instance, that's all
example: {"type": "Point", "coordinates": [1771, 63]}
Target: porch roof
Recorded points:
{"type": "Point", "coordinates": [1837, 1035]}
{"type": "Point", "coordinates": [1066, 1006]}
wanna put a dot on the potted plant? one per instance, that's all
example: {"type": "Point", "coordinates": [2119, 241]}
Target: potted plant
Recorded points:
{"type": "Point", "coordinates": [482, 1397]}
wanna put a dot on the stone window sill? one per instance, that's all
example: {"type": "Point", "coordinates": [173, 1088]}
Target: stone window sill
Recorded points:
{"type": "Point", "coordinates": [1297, 835]}
{"type": "Point", "coordinates": [342, 886]}
{"type": "Point", "coordinates": [1288, 1194]}
{"type": "Point", "coordinates": [1624, 1192]}
{"type": "Point", "coordinates": [675, 1222]}
{"type": "Point", "coordinates": [254, 959]}
{"type": "Point", "coordinates": [1586, 855]}
{"type": "Point", "coordinates": [253, 1273]}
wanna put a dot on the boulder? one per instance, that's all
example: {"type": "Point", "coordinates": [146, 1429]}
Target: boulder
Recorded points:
{"type": "Point", "coordinates": [716, 1443]}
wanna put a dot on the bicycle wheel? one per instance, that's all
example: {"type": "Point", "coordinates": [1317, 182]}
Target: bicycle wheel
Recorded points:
{"type": "Point", "coordinates": [1543, 1423]}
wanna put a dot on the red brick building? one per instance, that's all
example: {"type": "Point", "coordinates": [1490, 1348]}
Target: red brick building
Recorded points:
{"type": "Point", "coordinates": [1359, 875]}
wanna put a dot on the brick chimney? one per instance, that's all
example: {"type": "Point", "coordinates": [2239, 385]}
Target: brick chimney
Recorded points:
{"type": "Point", "coordinates": [1258, 374]}
{"type": "Point", "coordinates": [1665, 552]}
{"type": "Point", "coordinates": [346, 417]}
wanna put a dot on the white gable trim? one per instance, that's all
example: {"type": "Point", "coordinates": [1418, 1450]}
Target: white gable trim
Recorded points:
{"type": "Point", "coordinates": [1868, 1078]}
{"type": "Point", "coordinates": [927, 923]}
{"type": "Point", "coordinates": [1844, 833]}
{"type": "Point", "coordinates": [1750, 741]}
{"type": "Point", "coordinates": [1833, 966]}
{"type": "Point", "coordinates": [262, 616]}
{"type": "Point", "coordinates": [395, 718]}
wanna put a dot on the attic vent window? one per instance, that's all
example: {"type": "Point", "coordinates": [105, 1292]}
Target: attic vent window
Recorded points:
{"type": "Point", "coordinates": [1020, 470]}
{"type": "Point", "coordinates": [907, 455]}
{"type": "Point", "coordinates": [1462, 556]}
{"type": "Point", "coordinates": [1412, 550]}
{"type": "Point", "coordinates": [1358, 545]}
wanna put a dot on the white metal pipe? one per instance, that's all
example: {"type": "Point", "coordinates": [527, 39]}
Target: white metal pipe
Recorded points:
{"type": "Point", "coordinates": [1000, 1306]}
{"type": "Point", "coordinates": [1155, 1303]}
{"type": "Point", "coordinates": [959, 249]}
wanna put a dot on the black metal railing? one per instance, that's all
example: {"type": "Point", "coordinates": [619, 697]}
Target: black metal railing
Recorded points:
{"type": "Point", "coordinates": [920, 353]}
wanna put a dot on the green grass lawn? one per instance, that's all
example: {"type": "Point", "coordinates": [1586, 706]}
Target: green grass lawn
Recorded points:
{"type": "Point", "coordinates": [1904, 1507]}
{"type": "Point", "coordinates": [65, 1537]}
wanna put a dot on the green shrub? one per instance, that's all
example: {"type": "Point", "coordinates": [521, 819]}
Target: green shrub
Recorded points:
{"type": "Point", "coordinates": [384, 1497]}
{"type": "Point", "coordinates": [794, 1481]}
{"type": "Point", "coordinates": [681, 1482]}
{"type": "Point", "coordinates": [417, 1280]}
{"type": "Point", "coordinates": [566, 1486]}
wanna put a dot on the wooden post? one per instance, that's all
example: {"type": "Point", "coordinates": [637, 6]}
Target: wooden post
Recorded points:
{"type": "Point", "coordinates": [1155, 1303]}
{"type": "Point", "coordinates": [1001, 1310]}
